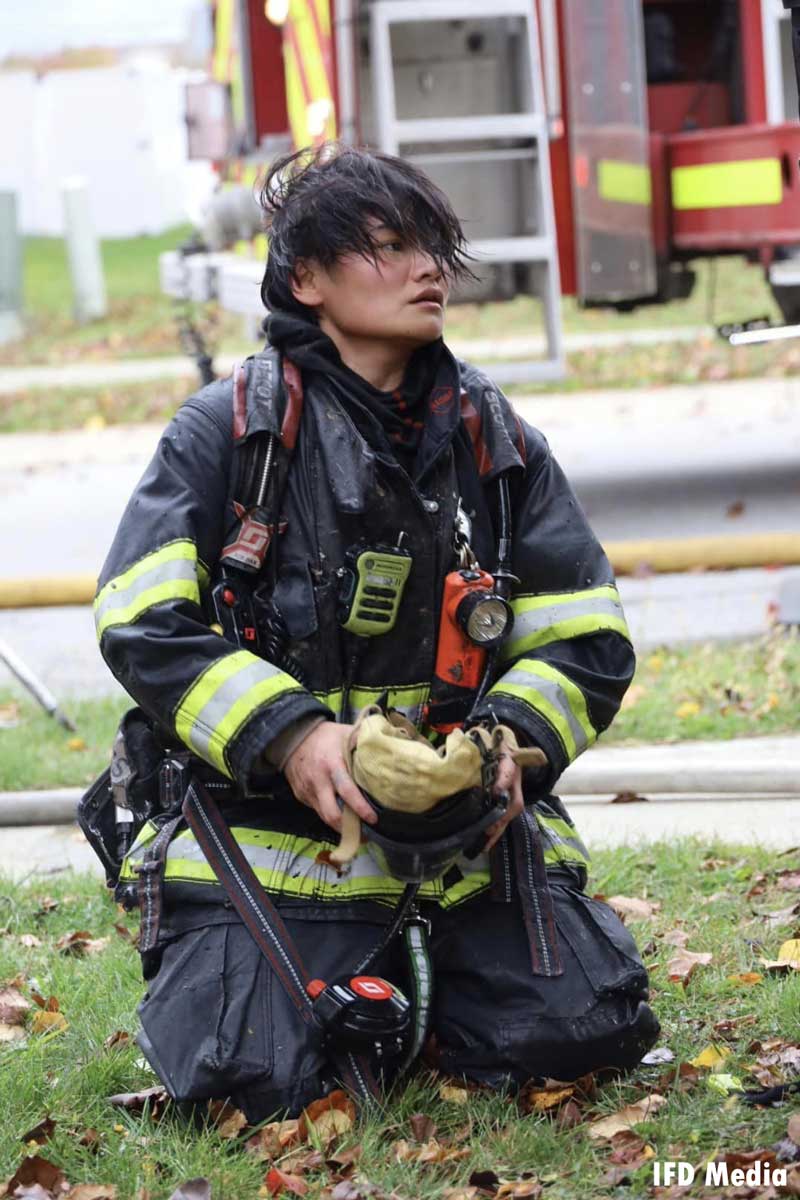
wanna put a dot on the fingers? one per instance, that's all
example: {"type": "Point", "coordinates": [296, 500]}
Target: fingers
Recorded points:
{"type": "Point", "coordinates": [351, 794]}
{"type": "Point", "coordinates": [509, 780]}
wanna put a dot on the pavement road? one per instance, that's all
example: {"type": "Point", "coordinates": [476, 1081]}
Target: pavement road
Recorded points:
{"type": "Point", "coordinates": [668, 462]}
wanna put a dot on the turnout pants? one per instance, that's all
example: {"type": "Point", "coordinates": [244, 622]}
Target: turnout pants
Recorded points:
{"type": "Point", "coordinates": [216, 1021]}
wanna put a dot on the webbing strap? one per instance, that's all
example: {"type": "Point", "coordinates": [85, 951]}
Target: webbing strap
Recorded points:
{"type": "Point", "coordinates": [537, 903]}
{"type": "Point", "coordinates": [415, 937]}
{"type": "Point", "coordinates": [263, 921]}
{"type": "Point", "coordinates": [151, 884]}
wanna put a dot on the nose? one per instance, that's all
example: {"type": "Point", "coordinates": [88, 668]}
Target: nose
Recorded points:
{"type": "Point", "coordinates": [425, 265]}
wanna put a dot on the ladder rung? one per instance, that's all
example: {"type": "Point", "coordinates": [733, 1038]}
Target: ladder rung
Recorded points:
{"type": "Point", "coordinates": [513, 249]}
{"type": "Point", "coordinates": [444, 157]}
{"type": "Point", "coordinates": [471, 129]}
{"type": "Point", "coordinates": [397, 11]}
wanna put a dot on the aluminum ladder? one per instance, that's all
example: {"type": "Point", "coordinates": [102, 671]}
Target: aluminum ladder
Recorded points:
{"type": "Point", "coordinates": [451, 133]}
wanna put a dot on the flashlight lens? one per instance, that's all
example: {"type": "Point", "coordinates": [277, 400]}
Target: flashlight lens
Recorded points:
{"type": "Point", "coordinates": [487, 621]}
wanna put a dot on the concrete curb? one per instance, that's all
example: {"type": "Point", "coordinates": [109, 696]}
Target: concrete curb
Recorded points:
{"type": "Point", "coordinates": [763, 768]}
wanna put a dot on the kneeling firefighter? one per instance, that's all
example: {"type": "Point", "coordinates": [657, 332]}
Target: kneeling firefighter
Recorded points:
{"type": "Point", "coordinates": [367, 627]}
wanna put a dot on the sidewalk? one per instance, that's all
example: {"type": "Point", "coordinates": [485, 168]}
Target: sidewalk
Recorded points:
{"type": "Point", "coordinates": [144, 370]}
{"type": "Point", "coordinates": [745, 791]}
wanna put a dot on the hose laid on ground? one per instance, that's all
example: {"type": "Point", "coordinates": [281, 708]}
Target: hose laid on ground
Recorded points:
{"type": "Point", "coordinates": [728, 552]}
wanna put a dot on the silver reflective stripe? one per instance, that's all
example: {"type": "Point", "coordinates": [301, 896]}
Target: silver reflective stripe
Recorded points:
{"type": "Point", "coordinates": [161, 572]}
{"type": "Point", "coordinates": [284, 860]}
{"type": "Point", "coordinates": [537, 619]}
{"type": "Point", "coordinates": [555, 694]}
{"type": "Point", "coordinates": [206, 723]}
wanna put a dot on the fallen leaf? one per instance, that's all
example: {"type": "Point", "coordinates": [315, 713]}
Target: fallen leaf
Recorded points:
{"type": "Point", "coordinates": [628, 798]}
{"type": "Point", "coordinates": [683, 1079]}
{"type": "Point", "coordinates": [90, 1138]}
{"type": "Point", "coordinates": [455, 1095]}
{"type": "Point", "coordinates": [430, 1152]}
{"type": "Point", "coordinates": [793, 1128]}
{"type": "Point", "coordinates": [779, 966]}
{"type": "Point", "coordinates": [40, 1133]}
{"type": "Point", "coordinates": [569, 1115]}
{"type": "Point", "coordinates": [92, 1191]}
{"type": "Point", "coordinates": [662, 1054]}
{"type": "Point", "coordinates": [724, 1084]}
{"type": "Point", "coordinates": [117, 1040]}
{"type": "Point", "coordinates": [37, 1170]}
{"type": "Point", "coordinates": [790, 951]}
{"type": "Point", "coordinates": [14, 1009]}
{"type": "Point", "coordinates": [328, 1118]}
{"type": "Point", "coordinates": [29, 940]}
{"type": "Point", "coordinates": [542, 1099]}
{"type": "Point", "coordinates": [782, 916]}
{"type": "Point", "coordinates": [711, 1057]}
{"type": "Point", "coordinates": [627, 1117]}
{"type": "Point", "coordinates": [676, 937]}
{"type": "Point", "coordinates": [633, 906]}
{"type": "Point", "coordinates": [76, 744]}
{"type": "Point", "coordinates": [789, 880]}
{"type": "Point", "coordinates": [46, 1021]}
{"type": "Point", "coordinates": [278, 1182]}
{"type": "Point", "coordinates": [689, 708]}
{"type": "Point", "coordinates": [228, 1120]}
{"type": "Point", "coordinates": [422, 1127]}
{"type": "Point", "coordinates": [728, 1028]}
{"type": "Point", "coordinates": [684, 963]}
{"type": "Point", "coordinates": [9, 715]}
{"type": "Point", "coordinates": [746, 979]}
{"type": "Point", "coordinates": [193, 1189]}
{"type": "Point", "coordinates": [273, 1139]}
{"type": "Point", "coordinates": [80, 943]}
{"type": "Point", "coordinates": [155, 1098]}
{"type": "Point", "coordinates": [522, 1189]}
{"type": "Point", "coordinates": [735, 509]}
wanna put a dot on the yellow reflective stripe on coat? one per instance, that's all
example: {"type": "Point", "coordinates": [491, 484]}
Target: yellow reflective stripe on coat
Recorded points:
{"type": "Point", "coordinates": [222, 700]}
{"type": "Point", "coordinates": [627, 183]}
{"type": "Point", "coordinates": [291, 865]}
{"type": "Point", "coordinates": [554, 697]}
{"type": "Point", "coordinates": [539, 620]}
{"type": "Point", "coordinates": [740, 184]}
{"type": "Point", "coordinates": [409, 699]}
{"type": "Point", "coordinates": [169, 573]}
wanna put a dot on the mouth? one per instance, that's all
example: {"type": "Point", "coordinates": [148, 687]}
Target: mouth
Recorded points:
{"type": "Point", "coordinates": [431, 295]}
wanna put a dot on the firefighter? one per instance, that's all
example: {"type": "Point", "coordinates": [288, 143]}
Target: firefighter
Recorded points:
{"type": "Point", "coordinates": [317, 557]}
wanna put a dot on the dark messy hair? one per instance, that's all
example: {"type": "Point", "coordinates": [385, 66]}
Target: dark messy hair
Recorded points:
{"type": "Point", "coordinates": [318, 204]}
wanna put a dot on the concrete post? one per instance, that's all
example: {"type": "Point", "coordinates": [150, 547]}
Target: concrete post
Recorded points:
{"type": "Point", "coordinates": [10, 269]}
{"type": "Point", "coordinates": [83, 249]}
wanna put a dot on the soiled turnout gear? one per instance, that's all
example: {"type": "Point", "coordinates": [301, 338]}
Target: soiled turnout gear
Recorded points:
{"type": "Point", "coordinates": [558, 683]}
{"type": "Point", "coordinates": [216, 1022]}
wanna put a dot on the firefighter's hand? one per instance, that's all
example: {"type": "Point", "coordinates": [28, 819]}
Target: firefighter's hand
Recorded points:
{"type": "Point", "coordinates": [317, 773]}
{"type": "Point", "coordinates": [509, 779]}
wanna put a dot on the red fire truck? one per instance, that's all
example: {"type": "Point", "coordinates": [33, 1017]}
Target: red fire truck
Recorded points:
{"type": "Point", "coordinates": [592, 147]}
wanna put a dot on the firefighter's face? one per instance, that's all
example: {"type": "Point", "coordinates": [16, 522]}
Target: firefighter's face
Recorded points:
{"type": "Point", "coordinates": [398, 298]}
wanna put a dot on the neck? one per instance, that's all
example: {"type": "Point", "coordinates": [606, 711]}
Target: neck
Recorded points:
{"type": "Point", "coordinates": [381, 364]}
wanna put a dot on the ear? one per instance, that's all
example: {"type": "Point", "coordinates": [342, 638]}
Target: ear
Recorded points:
{"type": "Point", "coordinates": [304, 282]}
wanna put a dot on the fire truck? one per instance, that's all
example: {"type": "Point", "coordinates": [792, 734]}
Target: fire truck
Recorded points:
{"type": "Point", "coordinates": [591, 147]}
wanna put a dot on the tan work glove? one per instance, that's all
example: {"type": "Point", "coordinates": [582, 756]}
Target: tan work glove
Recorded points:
{"type": "Point", "coordinates": [400, 768]}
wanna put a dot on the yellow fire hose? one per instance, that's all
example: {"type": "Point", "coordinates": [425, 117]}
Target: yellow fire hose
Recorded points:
{"type": "Point", "coordinates": [657, 555]}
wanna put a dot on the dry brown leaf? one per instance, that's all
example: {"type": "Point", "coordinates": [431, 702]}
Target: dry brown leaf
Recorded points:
{"type": "Point", "coordinates": [569, 1115]}
{"type": "Point", "coordinates": [278, 1182]}
{"type": "Point", "coordinates": [521, 1189]}
{"type": "Point", "coordinates": [728, 1028]}
{"type": "Point", "coordinates": [793, 1128]}
{"type": "Point", "coordinates": [781, 916]}
{"type": "Point", "coordinates": [423, 1127]}
{"type": "Point", "coordinates": [328, 1118]}
{"type": "Point", "coordinates": [430, 1152]}
{"type": "Point", "coordinates": [453, 1094]}
{"type": "Point", "coordinates": [627, 1117]}
{"type": "Point", "coordinates": [92, 1191]}
{"type": "Point", "coordinates": [789, 880]}
{"type": "Point", "coordinates": [29, 940]}
{"type": "Point", "coordinates": [746, 978]}
{"type": "Point", "coordinates": [684, 963]}
{"type": "Point", "coordinates": [274, 1139]}
{"type": "Point", "coordinates": [40, 1133]}
{"type": "Point", "coordinates": [117, 1040]}
{"type": "Point", "coordinates": [46, 1021]}
{"type": "Point", "coordinates": [81, 943]}
{"type": "Point", "coordinates": [229, 1121]}
{"type": "Point", "coordinates": [628, 798]}
{"type": "Point", "coordinates": [155, 1098]}
{"type": "Point", "coordinates": [542, 1099]}
{"type": "Point", "coordinates": [37, 1170]}
{"type": "Point", "coordinates": [633, 906]}
{"type": "Point", "coordinates": [13, 1006]}
{"type": "Point", "coordinates": [676, 937]}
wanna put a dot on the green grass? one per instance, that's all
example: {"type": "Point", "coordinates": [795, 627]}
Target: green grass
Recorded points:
{"type": "Point", "coordinates": [702, 889]}
{"type": "Point", "coordinates": [715, 690]}
{"type": "Point", "coordinates": [53, 409]}
{"type": "Point", "coordinates": [38, 753]}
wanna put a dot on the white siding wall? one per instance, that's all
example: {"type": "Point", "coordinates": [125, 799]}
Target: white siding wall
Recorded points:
{"type": "Point", "coordinates": [121, 128]}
